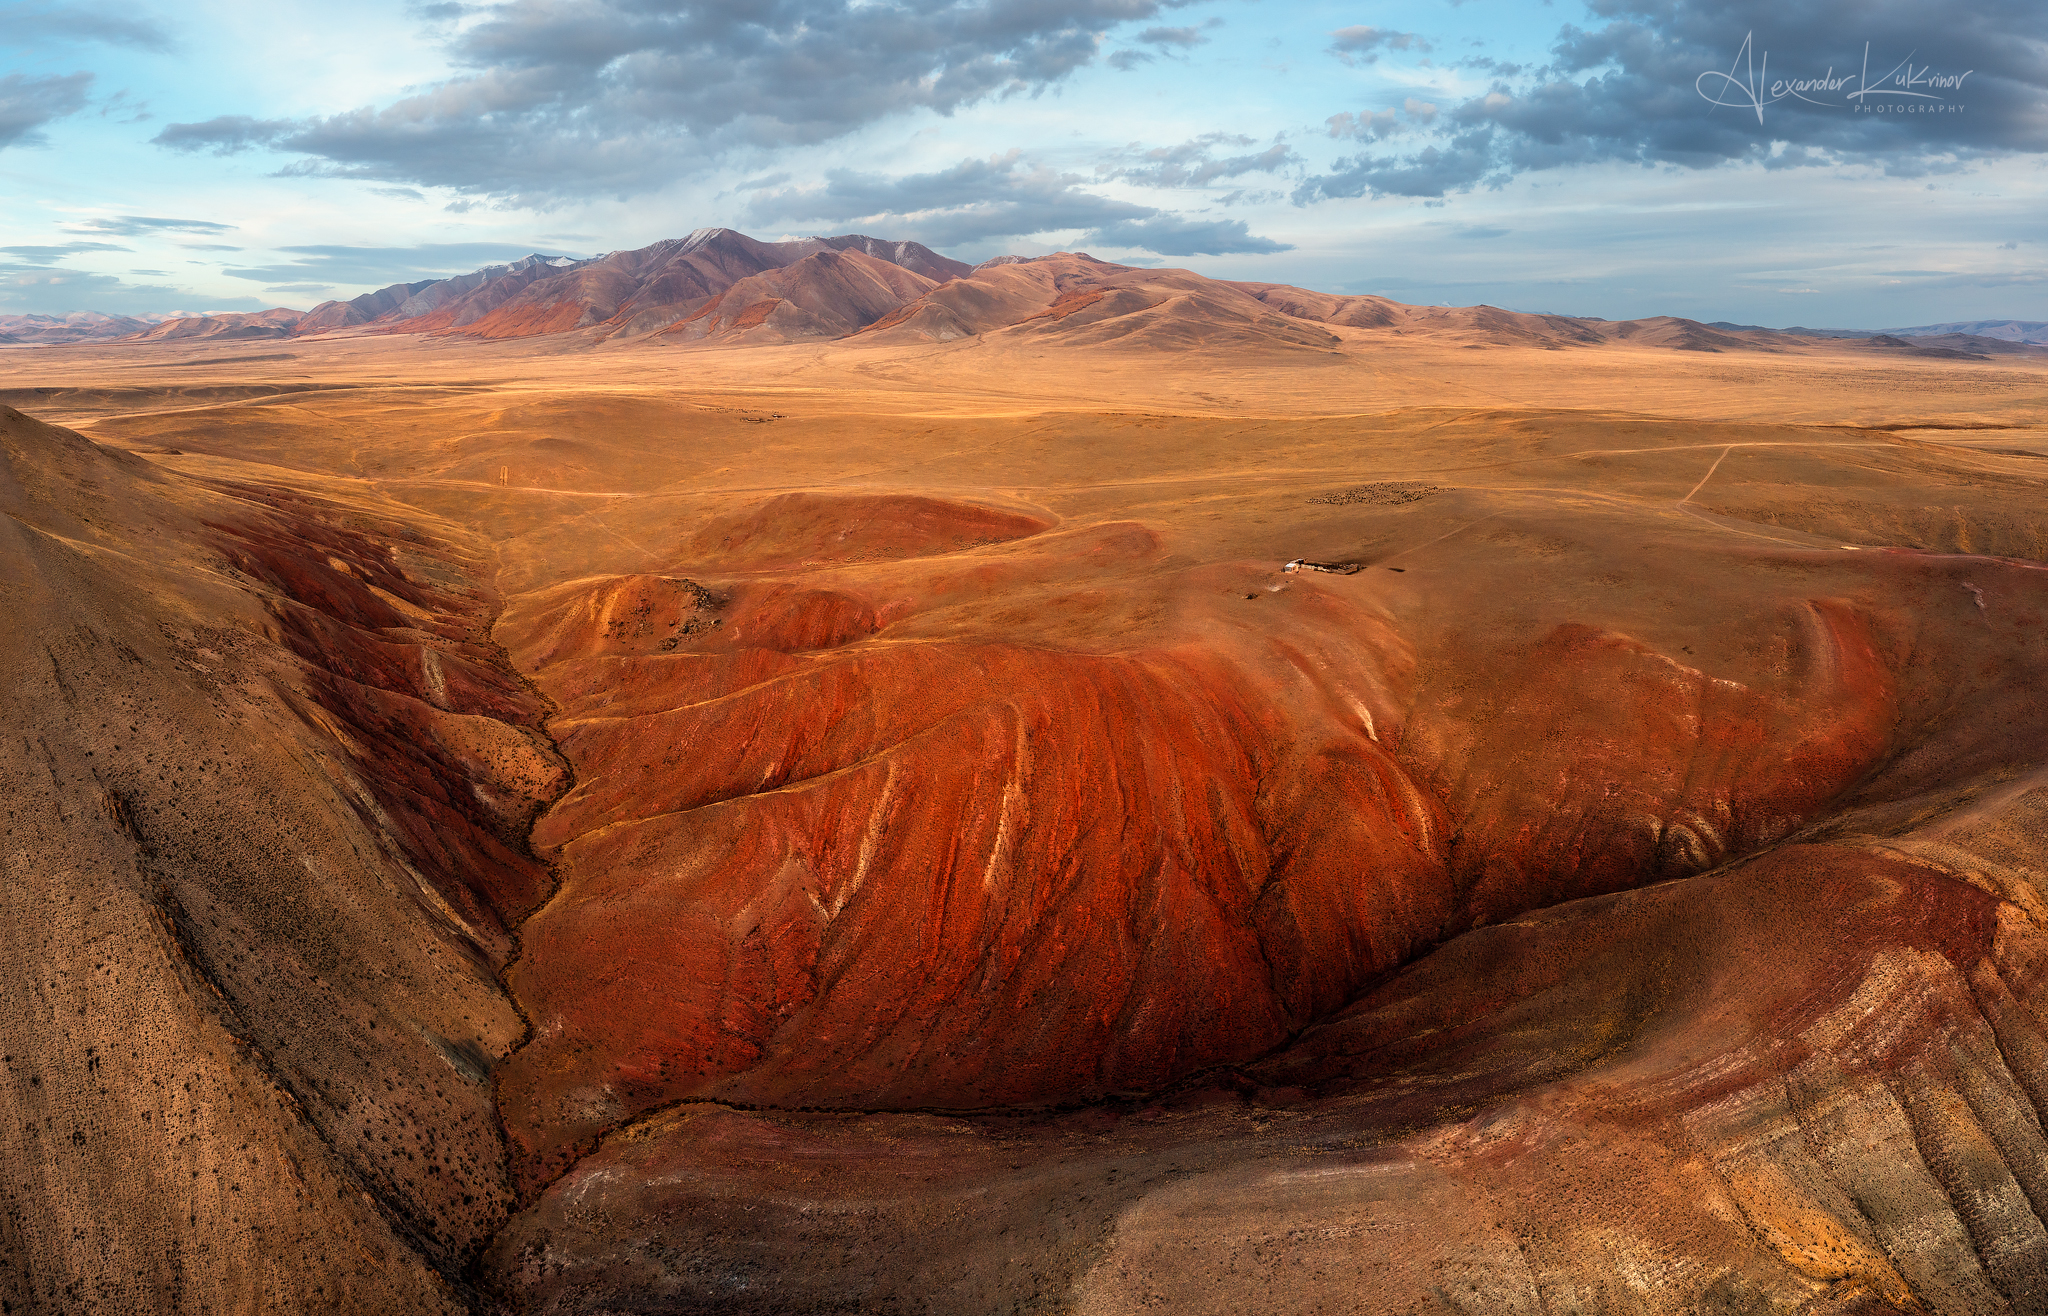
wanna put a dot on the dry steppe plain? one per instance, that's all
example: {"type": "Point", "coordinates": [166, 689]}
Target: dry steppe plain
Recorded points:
{"type": "Point", "coordinates": [539, 827]}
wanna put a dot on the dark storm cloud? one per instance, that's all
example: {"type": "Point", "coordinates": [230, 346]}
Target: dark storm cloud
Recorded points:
{"type": "Point", "coordinates": [1002, 197]}
{"type": "Point", "coordinates": [1630, 90]}
{"type": "Point", "coordinates": [324, 265]}
{"type": "Point", "coordinates": [26, 104]}
{"type": "Point", "coordinates": [1194, 163]}
{"type": "Point", "coordinates": [22, 24]}
{"type": "Point", "coordinates": [562, 97]}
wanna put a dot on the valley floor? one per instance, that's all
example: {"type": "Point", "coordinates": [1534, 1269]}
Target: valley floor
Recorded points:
{"type": "Point", "coordinates": [648, 828]}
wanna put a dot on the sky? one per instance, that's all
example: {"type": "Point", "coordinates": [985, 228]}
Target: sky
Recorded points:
{"type": "Point", "coordinates": [1825, 163]}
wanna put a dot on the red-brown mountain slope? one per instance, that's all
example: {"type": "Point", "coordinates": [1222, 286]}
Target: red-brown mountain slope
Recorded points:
{"type": "Point", "coordinates": [408, 301]}
{"type": "Point", "coordinates": [634, 292]}
{"type": "Point", "coordinates": [1075, 299]}
{"type": "Point", "coordinates": [827, 295]}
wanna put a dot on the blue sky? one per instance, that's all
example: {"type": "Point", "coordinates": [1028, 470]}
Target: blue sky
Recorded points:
{"type": "Point", "coordinates": [1555, 157]}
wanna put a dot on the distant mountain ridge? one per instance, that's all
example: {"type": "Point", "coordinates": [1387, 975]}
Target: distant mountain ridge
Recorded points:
{"type": "Point", "coordinates": [2031, 332]}
{"type": "Point", "coordinates": [77, 326]}
{"type": "Point", "coordinates": [2013, 331]}
{"type": "Point", "coordinates": [720, 286]}
{"type": "Point", "coordinates": [1076, 300]}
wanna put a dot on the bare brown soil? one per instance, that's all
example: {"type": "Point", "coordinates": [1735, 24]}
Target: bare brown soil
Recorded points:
{"type": "Point", "coordinates": [870, 826]}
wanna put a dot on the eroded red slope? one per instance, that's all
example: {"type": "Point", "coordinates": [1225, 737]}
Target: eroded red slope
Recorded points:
{"type": "Point", "coordinates": [862, 834]}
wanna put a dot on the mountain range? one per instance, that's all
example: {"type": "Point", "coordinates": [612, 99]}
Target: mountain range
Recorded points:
{"type": "Point", "coordinates": [79, 326]}
{"type": "Point", "coordinates": [2012, 331]}
{"type": "Point", "coordinates": [719, 286]}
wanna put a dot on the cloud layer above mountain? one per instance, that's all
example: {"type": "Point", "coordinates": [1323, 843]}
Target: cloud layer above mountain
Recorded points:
{"type": "Point", "coordinates": [567, 96]}
{"type": "Point", "coordinates": [977, 200]}
{"type": "Point", "coordinates": [1245, 137]}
